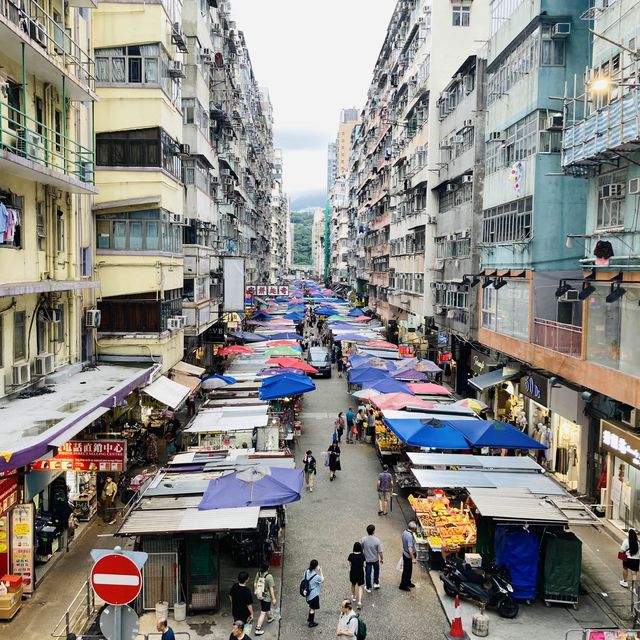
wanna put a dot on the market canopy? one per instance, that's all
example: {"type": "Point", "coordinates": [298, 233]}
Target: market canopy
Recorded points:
{"type": "Point", "coordinates": [284, 350]}
{"type": "Point", "coordinates": [324, 311]}
{"type": "Point", "coordinates": [248, 336]}
{"type": "Point", "coordinates": [284, 386]}
{"type": "Point", "coordinates": [282, 335]}
{"type": "Point", "coordinates": [409, 374]}
{"type": "Point", "coordinates": [167, 392]}
{"type": "Point", "coordinates": [380, 344]}
{"type": "Point", "coordinates": [366, 374]}
{"type": "Point", "coordinates": [419, 433]}
{"type": "Point", "coordinates": [296, 316]}
{"type": "Point", "coordinates": [389, 385]}
{"type": "Point", "coordinates": [292, 363]}
{"type": "Point", "coordinates": [428, 389]}
{"type": "Point", "coordinates": [234, 349]}
{"type": "Point", "coordinates": [350, 337]}
{"type": "Point", "coordinates": [491, 379]}
{"type": "Point", "coordinates": [355, 313]}
{"type": "Point", "coordinates": [492, 433]}
{"type": "Point", "coordinates": [398, 401]}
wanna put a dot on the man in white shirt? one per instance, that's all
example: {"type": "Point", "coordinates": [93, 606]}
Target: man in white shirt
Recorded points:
{"type": "Point", "coordinates": [348, 622]}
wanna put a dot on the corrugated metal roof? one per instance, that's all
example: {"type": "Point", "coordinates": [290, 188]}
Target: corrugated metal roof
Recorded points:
{"type": "Point", "coordinates": [449, 479]}
{"type": "Point", "coordinates": [191, 369]}
{"type": "Point", "coordinates": [213, 421]}
{"type": "Point", "coordinates": [537, 483]}
{"type": "Point", "coordinates": [426, 415]}
{"type": "Point", "coordinates": [516, 506]}
{"type": "Point", "coordinates": [242, 463]}
{"type": "Point", "coordinates": [493, 378]}
{"type": "Point", "coordinates": [513, 463]}
{"type": "Point", "coordinates": [144, 522]}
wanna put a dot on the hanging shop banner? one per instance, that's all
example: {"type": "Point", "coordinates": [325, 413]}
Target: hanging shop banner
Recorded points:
{"type": "Point", "coordinates": [22, 537]}
{"type": "Point", "coordinates": [93, 455]}
{"type": "Point", "coordinates": [534, 386]}
{"type": "Point", "coordinates": [8, 490]}
{"type": "Point", "coordinates": [4, 544]}
{"type": "Point", "coordinates": [622, 443]}
{"type": "Point", "coordinates": [266, 290]}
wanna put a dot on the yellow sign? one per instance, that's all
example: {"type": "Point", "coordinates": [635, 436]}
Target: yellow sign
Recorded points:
{"type": "Point", "coordinates": [22, 529]}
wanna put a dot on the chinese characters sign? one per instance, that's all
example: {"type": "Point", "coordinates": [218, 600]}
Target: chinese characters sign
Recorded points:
{"type": "Point", "coordinates": [94, 455]}
{"type": "Point", "coordinates": [267, 290]}
{"type": "Point", "coordinates": [622, 444]}
{"type": "Point", "coordinates": [22, 544]}
{"type": "Point", "coordinates": [8, 490]}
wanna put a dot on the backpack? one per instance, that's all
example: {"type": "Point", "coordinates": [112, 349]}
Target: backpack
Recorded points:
{"type": "Point", "coordinates": [260, 585]}
{"type": "Point", "coordinates": [304, 585]}
{"type": "Point", "coordinates": [361, 633]}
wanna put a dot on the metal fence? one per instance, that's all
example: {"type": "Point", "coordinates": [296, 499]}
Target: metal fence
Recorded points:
{"type": "Point", "coordinates": [80, 614]}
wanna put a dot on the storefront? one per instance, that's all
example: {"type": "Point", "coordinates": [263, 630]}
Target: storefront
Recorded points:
{"type": "Point", "coordinates": [622, 490]}
{"type": "Point", "coordinates": [498, 389]}
{"type": "Point", "coordinates": [535, 418]}
{"type": "Point", "coordinates": [8, 498]}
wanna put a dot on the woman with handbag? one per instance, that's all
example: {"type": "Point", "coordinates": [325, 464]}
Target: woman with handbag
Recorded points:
{"type": "Point", "coordinates": [334, 460]}
{"type": "Point", "coordinates": [630, 555]}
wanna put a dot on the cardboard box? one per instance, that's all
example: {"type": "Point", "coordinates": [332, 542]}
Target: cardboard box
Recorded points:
{"type": "Point", "coordinates": [473, 559]}
{"type": "Point", "coordinates": [13, 583]}
{"type": "Point", "coordinates": [10, 604]}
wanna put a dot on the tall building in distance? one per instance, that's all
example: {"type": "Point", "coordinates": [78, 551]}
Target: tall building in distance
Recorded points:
{"type": "Point", "coordinates": [349, 118]}
{"type": "Point", "coordinates": [279, 241]}
{"type": "Point", "coordinates": [331, 165]}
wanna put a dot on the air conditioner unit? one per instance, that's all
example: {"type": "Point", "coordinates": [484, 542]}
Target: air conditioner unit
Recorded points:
{"type": "Point", "coordinates": [175, 218]}
{"type": "Point", "coordinates": [445, 144]}
{"type": "Point", "coordinates": [614, 190]}
{"type": "Point", "coordinates": [468, 123]}
{"type": "Point", "coordinates": [184, 150]}
{"type": "Point", "coordinates": [555, 122]}
{"type": "Point", "coordinates": [44, 364]}
{"type": "Point", "coordinates": [458, 139]}
{"type": "Point", "coordinates": [444, 95]}
{"type": "Point", "coordinates": [496, 136]}
{"type": "Point", "coordinates": [561, 30]}
{"type": "Point", "coordinates": [39, 32]}
{"type": "Point", "coordinates": [205, 56]}
{"type": "Point", "coordinates": [92, 318]}
{"type": "Point", "coordinates": [440, 310]}
{"type": "Point", "coordinates": [634, 186]}
{"type": "Point", "coordinates": [431, 220]}
{"type": "Point", "coordinates": [176, 69]}
{"type": "Point", "coordinates": [21, 374]}
{"type": "Point", "coordinates": [467, 178]}
{"type": "Point", "coordinates": [29, 144]}
{"type": "Point", "coordinates": [451, 187]}
{"type": "Point", "coordinates": [183, 320]}
{"type": "Point", "coordinates": [173, 324]}
{"type": "Point", "coordinates": [570, 296]}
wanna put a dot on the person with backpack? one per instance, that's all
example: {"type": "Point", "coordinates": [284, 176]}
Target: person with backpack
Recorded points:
{"type": "Point", "coordinates": [310, 465]}
{"type": "Point", "coordinates": [310, 590]}
{"type": "Point", "coordinates": [264, 588]}
{"type": "Point", "coordinates": [349, 623]}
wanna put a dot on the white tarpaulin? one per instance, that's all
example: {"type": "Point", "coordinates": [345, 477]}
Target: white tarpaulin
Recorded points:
{"type": "Point", "coordinates": [168, 392]}
{"type": "Point", "coordinates": [233, 272]}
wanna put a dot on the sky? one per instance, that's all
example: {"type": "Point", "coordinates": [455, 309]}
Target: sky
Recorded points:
{"type": "Point", "coordinates": [315, 58]}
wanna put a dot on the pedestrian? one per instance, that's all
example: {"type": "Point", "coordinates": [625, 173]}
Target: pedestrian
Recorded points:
{"type": "Point", "coordinates": [264, 589]}
{"type": "Point", "coordinates": [237, 631]}
{"type": "Point", "coordinates": [361, 418]}
{"type": "Point", "coordinates": [334, 460]}
{"type": "Point", "coordinates": [109, 494]}
{"type": "Point", "coordinates": [373, 556]}
{"type": "Point", "coordinates": [408, 556]}
{"type": "Point", "coordinates": [310, 470]}
{"type": "Point", "coordinates": [241, 599]}
{"type": "Point", "coordinates": [350, 418]}
{"type": "Point", "coordinates": [384, 486]}
{"type": "Point", "coordinates": [348, 621]}
{"type": "Point", "coordinates": [314, 576]}
{"type": "Point", "coordinates": [340, 425]}
{"type": "Point", "coordinates": [340, 366]}
{"type": "Point", "coordinates": [166, 631]}
{"type": "Point", "coordinates": [371, 425]}
{"type": "Point", "coordinates": [191, 406]}
{"type": "Point", "coordinates": [333, 355]}
{"type": "Point", "coordinates": [356, 572]}
{"type": "Point", "coordinates": [631, 561]}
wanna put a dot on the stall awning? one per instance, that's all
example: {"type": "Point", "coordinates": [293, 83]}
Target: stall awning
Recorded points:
{"type": "Point", "coordinates": [81, 424]}
{"type": "Point", "coordinates": [537, 483]}
{"type": "Point", "coordinates": [512, 463]}
{"type": "Point", "coordinates": [168, 392]}
{"type": "Point", "coordinates": [190, 369]}
{"type": "Point", "coordinates": [218, 421]}
{"type": "Point", "coordinates": [192, 382]}
{"type": "Point", "coordinates": [516, 506]}
{"type": "Point", "coordinates": [167, 521]}
{"type": "Point", "coordinates": [491, 379]}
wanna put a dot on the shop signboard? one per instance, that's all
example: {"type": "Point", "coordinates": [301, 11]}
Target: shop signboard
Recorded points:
{"type": "Point", "coordinates": [4, 544]}
{"type": "Point", "coordinates": [92, 455]}
{"type": "Point", "coordinates": [22, 537]}
{"type": "Point", "coordinates": [480, 363]}
{"type": "Point", "coordinates": [534, 386]}
{"type": "Point", "coordinates": [620, 442]}
{"type": "Point", "coordinates": [8, 490]}
{"type": "Point", "coordinates": [264, 290]}
{"type": "Point", "coordinates": [216, 332]}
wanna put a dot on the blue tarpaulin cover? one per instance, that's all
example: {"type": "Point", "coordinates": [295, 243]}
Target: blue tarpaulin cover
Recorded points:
{"type": "Point", "coordinates": [248, 336]}
{"type": "Point", "coordinates": [518, 550]}
{"type": "Point", "coordinates": [325, 311]}
{"type": "Point", "coordinates": [350, 337]}
{"type": "Point", "coordinates": [389, 385]}
{"type": "Point", "coordinates": [409, 374]}
{"type": "Point", "coordinates": [492, 433]}
{"type": "Point", "coordinates": [283, 335]}
{"type": "Point", "coordinates": [360, 375]}
{"type": "Point", "coordinates": [296, 316]}
{"type": "Point", "coordinates": [421, 434]}
{"type": "Point", "coordinates": [355, 313]}
{"type": "Point", "coordinates": [261, 487]}
{"type": "Point", "coordinates": [284, 386]}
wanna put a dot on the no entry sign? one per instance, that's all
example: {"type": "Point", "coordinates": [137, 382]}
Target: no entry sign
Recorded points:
{"type": "Point", "coordinates": [116, 579]}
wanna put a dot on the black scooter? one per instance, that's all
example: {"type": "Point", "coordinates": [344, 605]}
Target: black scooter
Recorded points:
{"type": "Point", "coordinates": [492, 588]}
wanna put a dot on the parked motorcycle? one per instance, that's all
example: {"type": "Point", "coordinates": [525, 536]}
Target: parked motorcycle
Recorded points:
{"type": "Point", "coordinates": [493, 588]}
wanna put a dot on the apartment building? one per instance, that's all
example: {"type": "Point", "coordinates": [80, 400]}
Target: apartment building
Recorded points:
{"type": "Point", "coordinates": [331, 165]}
{"type": "Point", "coordinates": [339, 231]}
{"type": "Point", "coordinates": [318, 241]}
{"type": "Point", "coordinates": [47, 92]}
{"type": "Point", "coordinates": [280, 225]}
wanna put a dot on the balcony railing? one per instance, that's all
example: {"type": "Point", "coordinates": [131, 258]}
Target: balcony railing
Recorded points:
{"type": "Point", "coordinates": [30, 139]}
{"type": "Point", "coordinates": [51, 35]}
{"type": "Point", "coordinates": [557, 336]}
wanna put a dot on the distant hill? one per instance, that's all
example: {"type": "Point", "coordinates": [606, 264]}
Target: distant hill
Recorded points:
{"type": "Point", "coordinates": [306, 199]}
{"type": "Point", "coordinates": [302, 222]}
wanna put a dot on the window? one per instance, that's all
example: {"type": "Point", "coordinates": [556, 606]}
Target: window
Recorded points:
{"type": "Point", "coordinates": [58, 129]}
{"type": "Point", "coordinates": [146, 230]}
{"type": "Point", "coordinates": [510, 222]}
{"type": "Point", "coordinates": [39, 116]}
{"type": "Point", "coordinates": [41, 333]}
{"type": "Point", "coordinates": [60, 325]}
{"type": "Point", "coordinates": [501, 11]}
{"type": "Point", "coordinates": [19, 335]}
{"type": "Point", "coordinates": [611, 209]}
{"type": "Point", "coordinates": [14, 95]}
{"type": "Point", "coordinates": [14, 206]}
{"type": "Point", "coordinates": [138, 148]}
{"type": "Point", "coordinates": [551, 49]}
{"type": "Point", "coordinates": [461, 15]}
{"type": "Point", "coordinates": [137, 64]}
{"type": "Point", "coordinates": [60, 229]}
{"type": "Point", "coordinates": [507, 311]}
{"type": "Point", "coordinates": [521, 141]}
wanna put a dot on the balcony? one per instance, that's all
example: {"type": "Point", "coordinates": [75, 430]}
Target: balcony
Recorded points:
{"type": "Point", "coordinates": [50, 53]}
{"type": "Point", "coordinates": [611, 128]}
{"type": "Point", "coordinates": [31, 150]}
{"type": "Point", "coordinates": [557, 336]}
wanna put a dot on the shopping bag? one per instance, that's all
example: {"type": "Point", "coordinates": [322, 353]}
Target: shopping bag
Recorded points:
{"type": "Point", "coordinates": [400, 564]}
{"type": "Point", "coordinates": [622, 555]}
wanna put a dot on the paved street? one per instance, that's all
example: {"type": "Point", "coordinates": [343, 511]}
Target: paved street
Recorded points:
{"type": "Point", "coordinates": [326, 523]}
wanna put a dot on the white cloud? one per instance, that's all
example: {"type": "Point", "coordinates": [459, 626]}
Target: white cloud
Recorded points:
{"type": "Point", "coordinates": [315, 58]}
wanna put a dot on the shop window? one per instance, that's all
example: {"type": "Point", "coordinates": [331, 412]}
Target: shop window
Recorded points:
{"type": "Point", "coordinates": [461, 15]}
{"type": "Point", "coordinates": [19, 335]}
{"type": "Point", "coordinates": [507, 311]}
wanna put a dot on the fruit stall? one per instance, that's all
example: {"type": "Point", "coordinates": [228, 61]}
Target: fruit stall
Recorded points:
{"type": "Point", "coordinates": [445, 525]}
{"type": "Point", "coordinates": [388, 447]}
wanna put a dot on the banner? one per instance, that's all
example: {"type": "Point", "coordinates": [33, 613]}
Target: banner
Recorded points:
{"type": "Point", "coordinates": [91, 455]}
{"type": "Point", "coordinates": [22, 537]}
{"type": "Point", "coordinates": [8, 490]}
{"type": "Point", "coordinates": [233, 273]}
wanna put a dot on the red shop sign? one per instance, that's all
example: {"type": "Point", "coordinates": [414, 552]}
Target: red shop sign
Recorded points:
{"type": "Point", "coordinates": [8, 490]}
{"type": "Point", "coordinates": [92, 455]}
